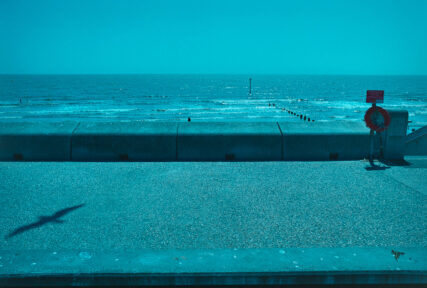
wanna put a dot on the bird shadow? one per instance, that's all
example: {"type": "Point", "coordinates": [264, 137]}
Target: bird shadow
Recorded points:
{"type": "Point", "coordinates": [54, 218]}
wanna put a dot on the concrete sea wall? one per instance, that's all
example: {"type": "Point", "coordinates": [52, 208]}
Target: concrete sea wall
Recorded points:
{"type": "Point", "coordinates": [199, 141]}
{"type": "Point", "coordinates": [121, 141]}
{"type": "Point", "coordinates": [416, 142]}
{"type": "Point", "coordinates": [36, 141]}
{"type": "Point", "coordinates": [229, 141]}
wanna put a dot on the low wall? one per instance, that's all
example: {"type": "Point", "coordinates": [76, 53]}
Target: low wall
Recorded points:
{"type": "Point", "coordinates": [124, 141]}
{"type": "Point", "coordinates": [339, 140]}
{"type": "Point", "coordinates": [416, 142]}
{"type": "Point", "coordinates": [168, 141]}
{"type": "Point", "coordinates": [229, 141]}
{"type": "Point", "coordinates": [394, 137]}
{"type": "Point", "coordinates": [36, 141]}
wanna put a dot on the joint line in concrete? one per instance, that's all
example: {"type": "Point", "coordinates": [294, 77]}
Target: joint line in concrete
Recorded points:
{"type": "Point", "coordinates": [71, 141]}
{"type": "Point", "coordinates": [176, 143]}
{"type": "Point", "coordinates": [281, 141]}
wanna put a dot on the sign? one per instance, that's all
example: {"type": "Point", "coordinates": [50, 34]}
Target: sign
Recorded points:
{"type": "Point", "coordinates": [375, 96]}
{"type": "Point", "coordinates": [377, 118]}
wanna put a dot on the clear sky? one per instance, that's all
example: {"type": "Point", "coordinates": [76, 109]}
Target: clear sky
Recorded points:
{"type": "Point", "coordinates": [218, 36]}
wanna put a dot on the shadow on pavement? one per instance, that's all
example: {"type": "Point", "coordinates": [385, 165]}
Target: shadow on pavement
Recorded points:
{"type": "Point", "coordinates": [54, 218]}
{"type": "Point", "coordinates": [375, 167]}
{"type": "Point", "coordinates": [401, 162]}
{"type": "Point", "coordinates": [414, 162]}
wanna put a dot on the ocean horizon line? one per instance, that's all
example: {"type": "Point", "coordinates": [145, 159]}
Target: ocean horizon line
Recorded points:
{"type": "Point", "coordinates": [209, 74]}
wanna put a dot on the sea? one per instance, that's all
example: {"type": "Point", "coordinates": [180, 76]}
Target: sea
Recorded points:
{"type": "Point", "coordinates": [223, 98]}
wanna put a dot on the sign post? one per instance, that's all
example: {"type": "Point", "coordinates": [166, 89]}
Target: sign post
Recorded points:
{"type": "Point", "coordinates": [371, 135]}
{"type": "Point", "coordinates": [376, 118]}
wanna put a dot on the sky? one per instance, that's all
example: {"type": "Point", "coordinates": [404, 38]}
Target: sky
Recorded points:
{"type": "Point", "coordinates": [357, 37]}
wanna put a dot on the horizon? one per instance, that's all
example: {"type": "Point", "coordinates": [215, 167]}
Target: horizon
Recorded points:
{"type": "Point", "coordinates": [130, 37]}
{"type": "Point", "coordinates": [207, 74]}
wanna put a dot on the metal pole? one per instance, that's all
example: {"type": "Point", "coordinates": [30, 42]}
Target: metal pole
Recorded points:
{"type": "Point", "coordinates": [371, 153]}
{"type": "Point", "coordinates": [250, 86]}
{"type": "Point", "coordinates": [371, 136]}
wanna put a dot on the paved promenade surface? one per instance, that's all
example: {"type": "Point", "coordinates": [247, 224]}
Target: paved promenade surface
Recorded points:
{"type": "Point", "coordinates": [66, 205]}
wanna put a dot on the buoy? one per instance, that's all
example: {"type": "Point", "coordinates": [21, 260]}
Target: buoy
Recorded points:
{"type": "Point", "coordinates": [189, 119]}
{"type": "Point", "coordinates": [374, 126]}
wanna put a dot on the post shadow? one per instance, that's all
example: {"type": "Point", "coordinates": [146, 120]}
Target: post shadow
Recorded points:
{"type": "Point", "coordinates": [375, 167]}
{"type": "Point", "coordinates": [54, 218]}
{"type": "Point", "coordinates": [398, 162]}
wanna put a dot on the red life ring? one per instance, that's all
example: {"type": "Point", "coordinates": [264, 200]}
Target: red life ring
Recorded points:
{"type": "Point", "coordinates": [374, 126]}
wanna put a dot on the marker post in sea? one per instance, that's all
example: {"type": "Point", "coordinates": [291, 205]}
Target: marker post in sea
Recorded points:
{"type": "Point", "coordinates": [250, 86]}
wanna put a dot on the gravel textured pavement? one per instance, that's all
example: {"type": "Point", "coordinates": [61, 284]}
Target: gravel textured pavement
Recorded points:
{"type": "Point", "coordinates": [189, 205]}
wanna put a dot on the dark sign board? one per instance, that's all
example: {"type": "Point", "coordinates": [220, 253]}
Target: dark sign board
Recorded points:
{"type": "Point", "coordinates": [375, 96]}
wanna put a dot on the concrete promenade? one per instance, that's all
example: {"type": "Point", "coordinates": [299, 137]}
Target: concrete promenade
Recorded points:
{"type": "Point", "coordinates": [213, 205]}
{"type": "Point", "coordinates": [85, 210]}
